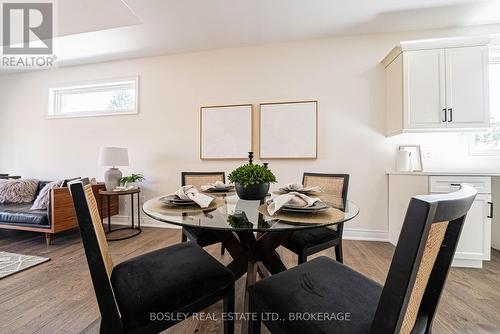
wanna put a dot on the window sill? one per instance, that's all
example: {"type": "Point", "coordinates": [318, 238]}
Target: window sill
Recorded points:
{"type": "Point", "coordinates": [91, 114]}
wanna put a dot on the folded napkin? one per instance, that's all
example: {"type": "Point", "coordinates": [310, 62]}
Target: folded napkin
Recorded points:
{"type": "Point", "coordinates": [292, 198]}
{"type": "Point", "coordinates": [190, 192]}
{"type": "Point", "coordinates": [215, 185]}
{"type": "Point", "coordinates": [299, 186]}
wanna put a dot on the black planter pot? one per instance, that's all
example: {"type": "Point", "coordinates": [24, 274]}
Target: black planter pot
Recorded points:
{"type": "Point", "coordinates": [253, 192]}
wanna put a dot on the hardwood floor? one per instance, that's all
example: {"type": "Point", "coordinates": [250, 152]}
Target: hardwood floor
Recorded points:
{"type": "Point", "coordinates": [57, 296]}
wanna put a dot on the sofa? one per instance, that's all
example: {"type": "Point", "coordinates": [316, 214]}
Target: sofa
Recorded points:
{"type": "Point", "coordinates": [59, 216]}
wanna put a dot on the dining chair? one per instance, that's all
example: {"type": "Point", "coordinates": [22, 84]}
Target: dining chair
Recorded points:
{"type": "Point", "coordinates": [310, 241]}
{"type": "Point", "coordinates": [202, 237]}
{"type": "Point", "coordinates": [154, 291]}
{"type": "Point", "coordinates": [405, 304]}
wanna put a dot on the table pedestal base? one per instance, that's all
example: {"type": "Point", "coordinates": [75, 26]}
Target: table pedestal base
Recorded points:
{"type": "Point", "coordinates": [254, 255]}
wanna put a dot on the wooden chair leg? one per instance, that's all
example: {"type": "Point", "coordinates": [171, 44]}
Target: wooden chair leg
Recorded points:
{"type": "Point", "coordinates": [48, 238]}
{"type": "Point", "coordinates": [228, 309]}
{"type": "Point", "coordinates": [302, 258]}
{"type": "Point", "coordinates": [183, 237]}
{"type": "Point", "coordinates": [338, 253]}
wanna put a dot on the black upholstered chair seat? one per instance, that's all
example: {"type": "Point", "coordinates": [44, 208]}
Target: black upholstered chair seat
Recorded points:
{"type": "Point", "coordinates": [406, 303]}
{"type": "Point", "coordinates": [310, 237]}
{"type": "Point", "coordinates": [203, 237]}
{"type": "Point", "coordinates": [167, 280]}
{"type": "Point", "coordinates": [321, 286]}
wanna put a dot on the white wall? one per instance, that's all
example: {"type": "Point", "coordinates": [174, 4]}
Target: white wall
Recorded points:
{"type": "Point", "coordinates": [343, 74]}
{"type": "Point", "coordinates": [449, 152]}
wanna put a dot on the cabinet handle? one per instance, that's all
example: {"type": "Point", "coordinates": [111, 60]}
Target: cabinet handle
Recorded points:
{"type": "Point", "coordinates": [451, 115]}
{"type": "Point", "coordinates": [491, 210]}
{"type": "Point", "coordinates": [445, 115]}
{"type": "Point", "coordinates": [455, 184]}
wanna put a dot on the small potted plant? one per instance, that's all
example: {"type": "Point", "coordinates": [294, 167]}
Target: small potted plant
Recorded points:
{"type": "Point", "coordinates": [252, 181]}
{"type": "Point", "coordinates": [131, 180]}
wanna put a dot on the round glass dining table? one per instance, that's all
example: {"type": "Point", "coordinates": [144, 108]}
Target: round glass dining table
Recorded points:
{"type": "Point", "coordinates": [247, 230]}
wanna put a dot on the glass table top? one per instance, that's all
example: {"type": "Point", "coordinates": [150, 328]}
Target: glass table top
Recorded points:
{"type": "Point", "coordinates": [230, 213]}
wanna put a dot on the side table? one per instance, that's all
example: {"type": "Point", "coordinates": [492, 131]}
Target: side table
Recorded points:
{"type": "Point", "coordinates": [131, 192]}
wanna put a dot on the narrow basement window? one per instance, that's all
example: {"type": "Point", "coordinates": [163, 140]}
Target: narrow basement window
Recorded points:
{"type": "Point", "coordinates": [99, 98]}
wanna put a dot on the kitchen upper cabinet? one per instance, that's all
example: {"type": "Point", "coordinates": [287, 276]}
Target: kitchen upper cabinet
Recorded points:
{"type": "Point", "coordinates": [424, 89]}
{"type": "Point", "coordinates": [467, 87]}
{"type": "Point", "coordinates": [437, 86]}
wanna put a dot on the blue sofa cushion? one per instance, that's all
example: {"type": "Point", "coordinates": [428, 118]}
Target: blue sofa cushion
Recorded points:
{"type": "Point", "coordinates": [21, 215]}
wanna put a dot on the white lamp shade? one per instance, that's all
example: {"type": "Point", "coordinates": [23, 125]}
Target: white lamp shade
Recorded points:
{"type": "Point", "coordinates": [113, 156]}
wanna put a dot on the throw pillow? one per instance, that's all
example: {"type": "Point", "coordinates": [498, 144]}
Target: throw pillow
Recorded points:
{"type": "Point", "coordinates": [18, 191]}
{"type": "Point", "coordinates": [43, 199]}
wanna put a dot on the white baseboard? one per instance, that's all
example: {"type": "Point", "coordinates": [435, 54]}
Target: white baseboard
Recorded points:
{"type": "Point", "coordinates": [366, 234]}
{"type": "Point", "coordinates": [145, 222]}
{"type": "Point", "coordinates": [349, 233]}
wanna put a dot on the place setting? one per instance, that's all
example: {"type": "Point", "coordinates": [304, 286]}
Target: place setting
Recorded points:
{"type": "Point", "coordinates": [298, 187]}
{"type": "Point", "coordinates": [188, 198]}
{"type": "Point", "coordinates": [217, 188]}
{"type": "Point", "coordinates": [300, 208]}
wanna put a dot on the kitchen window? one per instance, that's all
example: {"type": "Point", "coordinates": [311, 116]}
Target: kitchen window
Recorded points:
{"type": "Point", "coordinates": [98, 98]}
{"type": "Point", "coordinates": [488, 142]}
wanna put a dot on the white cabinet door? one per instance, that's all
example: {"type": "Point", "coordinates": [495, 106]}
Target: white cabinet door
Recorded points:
{"type": "Point", "coordinates": [424, 89]}
{"type": "Point", "coordinates": [467, 87]}
{"type": "Point", "coordinates": [474, 245]}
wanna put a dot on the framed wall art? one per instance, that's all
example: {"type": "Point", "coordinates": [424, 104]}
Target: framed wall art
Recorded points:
{"type": "Point", "coordinates": [225, 132]}
{"type": "Point", "coordinates": [289, 130]}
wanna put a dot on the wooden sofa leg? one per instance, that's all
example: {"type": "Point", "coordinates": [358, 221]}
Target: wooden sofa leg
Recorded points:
{"type": "Point", "coordinates": [48, 238]}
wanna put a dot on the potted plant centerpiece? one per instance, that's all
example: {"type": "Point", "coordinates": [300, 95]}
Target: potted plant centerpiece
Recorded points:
{"type": "Point", "coordinates": [252, 181]}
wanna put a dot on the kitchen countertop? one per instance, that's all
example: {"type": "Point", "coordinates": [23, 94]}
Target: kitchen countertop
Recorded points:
{"type": "Point", "coordinates": [437, 173]}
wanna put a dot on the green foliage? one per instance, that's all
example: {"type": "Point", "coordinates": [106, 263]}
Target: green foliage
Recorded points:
{"type": "Point", "coordinates": [122, 100]}
{"type": "Point", "coordinates": [490, 137]}
{"type": "Point", "coordinates": [132, 178]}
{"type": "Point", "coordinates": [248, 175]}
{"type": "Point", "coordinates": [237, 221]}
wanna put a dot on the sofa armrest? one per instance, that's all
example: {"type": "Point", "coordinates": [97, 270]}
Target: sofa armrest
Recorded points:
{"type": "Point", "coordinates": [62, 211]}
{"type": "Point", "coordinates": [63, 215]}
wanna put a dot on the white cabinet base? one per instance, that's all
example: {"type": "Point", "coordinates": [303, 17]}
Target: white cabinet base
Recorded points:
{"type": "Point", "coordinates": [474, 245]}
{"type": "Point", "coordinates": [467, 263]}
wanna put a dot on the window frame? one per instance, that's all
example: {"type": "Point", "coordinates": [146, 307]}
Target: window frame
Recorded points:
{"type": "Point", "coordinates": [494, 59]}
{"type": "Point", "coordinates": [87, 86]}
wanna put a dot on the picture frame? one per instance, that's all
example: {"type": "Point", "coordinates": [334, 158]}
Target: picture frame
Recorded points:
{"type": "Point", "coordinates": [226, 132]}
{"type": "Point", "coordinates": [415, 156]}
{"type": "Point", "coordinates": [288, 130]}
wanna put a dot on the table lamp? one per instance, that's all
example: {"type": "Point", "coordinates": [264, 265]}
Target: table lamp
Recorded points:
{"type": "Point", "coordinates": [112, 157]}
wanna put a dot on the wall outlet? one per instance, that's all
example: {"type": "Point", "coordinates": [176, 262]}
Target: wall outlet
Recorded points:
{"type": "Point", "coordinates": [427, 153]}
